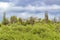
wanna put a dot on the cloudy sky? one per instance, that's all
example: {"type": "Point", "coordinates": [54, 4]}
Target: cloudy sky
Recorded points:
{"type": "Point", "coordinates": [27, 8]}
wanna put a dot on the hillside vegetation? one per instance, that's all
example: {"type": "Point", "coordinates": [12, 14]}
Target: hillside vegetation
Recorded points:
{"type": "Point", "coordinates": [30, 29]}
{"type": "Point", "coordinates": [38, 31]}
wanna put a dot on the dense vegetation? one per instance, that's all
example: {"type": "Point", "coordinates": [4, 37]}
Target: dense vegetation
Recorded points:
{"type": "Point", "coordinates": [30, 29]}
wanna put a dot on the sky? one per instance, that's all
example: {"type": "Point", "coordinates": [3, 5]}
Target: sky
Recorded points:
{"type": "Point", "coordinates": [28, 8]}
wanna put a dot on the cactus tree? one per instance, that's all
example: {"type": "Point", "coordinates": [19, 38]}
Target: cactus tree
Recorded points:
{"type": "Point", "coordinates": [46, 17]}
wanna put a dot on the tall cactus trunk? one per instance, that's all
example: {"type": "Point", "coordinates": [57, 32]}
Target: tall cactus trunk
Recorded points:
{"type": "Point", "coordinates": [46, 17]}
{"type": "Point", "coordinates": [5, 21]}
{"type": "Point", "coordinates": [55, 19]}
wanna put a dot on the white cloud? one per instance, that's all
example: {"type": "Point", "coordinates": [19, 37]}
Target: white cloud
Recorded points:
{"type": "Point", "coordinates": [33, 8]}
{"type": "Point", "coordinates": [51, 7]}
{"type": "Point", "coordinates": [26, 15]}
{"type": "Point", "coordinates": [10, 6]}
{"type": "Point", "coordinates": [4, 5]}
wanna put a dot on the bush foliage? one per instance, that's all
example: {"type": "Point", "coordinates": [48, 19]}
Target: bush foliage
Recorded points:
{"type": "Point", "coordinates": [29, 32]}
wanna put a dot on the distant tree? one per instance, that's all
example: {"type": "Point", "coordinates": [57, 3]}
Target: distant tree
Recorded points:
{"type": "Point", "coordinates": [20, 20]}
{"type": "Point", "coordinates": [55, 20]}
{"type": "Point", "coordinates": [5, 21]}
{"type": "Point", "coordinates": [13, 19]}
{"type": "Point", "coordinates": [59, 20]}
{"type": "Point", "coordinates": [27, 21]}
{"type": "Point", "coordinates": [46, 17]}
{"type": "Point", "coordinates": [39, 20]}
{"type": "Point", "coordinates": [32, 20]}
